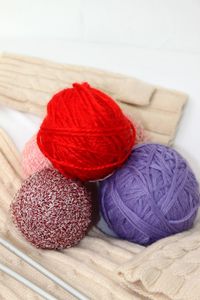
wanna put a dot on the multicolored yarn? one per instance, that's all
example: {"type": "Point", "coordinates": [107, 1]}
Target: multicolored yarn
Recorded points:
{"type": "Point", "coordinates": [85, 135]}
{"type": "Point", "coordinates": [155, 194]}
{"type": "Point", "coordinates": [32, 158]}
{"type": "Point", "coordinates": [51, 211]}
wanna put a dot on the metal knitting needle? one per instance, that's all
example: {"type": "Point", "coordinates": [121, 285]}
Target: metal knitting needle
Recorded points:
{"type": "Point", "coordinates": [42, 270]}
{"type": "Point", "coordinates": [26, 282]}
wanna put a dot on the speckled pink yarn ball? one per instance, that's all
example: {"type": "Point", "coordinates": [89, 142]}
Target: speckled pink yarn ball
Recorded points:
{"type": "Point", "coordinates": [32, 158]}
{"type": "Point", "coordinates": [141, 135]}
{"type": "Point", "coordinates": [51, 211]}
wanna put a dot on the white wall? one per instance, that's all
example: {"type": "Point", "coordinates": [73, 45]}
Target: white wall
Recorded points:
{"type": "Point", "coordinates": [161, 24]}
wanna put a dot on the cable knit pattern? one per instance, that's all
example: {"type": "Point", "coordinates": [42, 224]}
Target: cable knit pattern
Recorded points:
{"type": "Point", "coordinates": [27, 84]}
{"type": "Point", "coordinates": [169, 269]}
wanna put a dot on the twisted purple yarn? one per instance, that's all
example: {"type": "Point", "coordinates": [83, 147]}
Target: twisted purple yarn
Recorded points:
{"type": "Point", "coordinates": [155, 194]}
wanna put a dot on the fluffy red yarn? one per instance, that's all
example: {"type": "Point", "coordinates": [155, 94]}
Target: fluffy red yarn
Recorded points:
{"type": "Point", "coordinates": [85, 135]}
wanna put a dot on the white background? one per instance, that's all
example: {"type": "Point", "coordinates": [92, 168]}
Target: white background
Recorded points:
{"type": "Point", "coordinates": [154, 40]}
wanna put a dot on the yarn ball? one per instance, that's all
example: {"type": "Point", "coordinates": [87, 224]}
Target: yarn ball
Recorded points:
{"type": "Point", "coordinates": [154, 195]}
{"type": "Point", "coordinates": [51, 211]}
{"type": "Point", "coordinates": [32, 158]}
{"type": "Point", "coordinates": [85, 134]}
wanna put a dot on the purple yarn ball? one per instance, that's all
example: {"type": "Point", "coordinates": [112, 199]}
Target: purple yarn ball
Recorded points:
{"type": "Point", "coordinates": [153, 195]}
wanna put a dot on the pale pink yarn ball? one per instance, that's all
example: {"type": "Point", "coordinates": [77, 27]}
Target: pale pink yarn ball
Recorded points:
{"type": "Point", "coordinates": [141, 135]}
{"type": "Point", "coordinates": [32, 158]}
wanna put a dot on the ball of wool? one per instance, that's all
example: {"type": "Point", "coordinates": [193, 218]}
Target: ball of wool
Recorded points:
{"type": "Point", "coordinates": [154, 195]}
{"type": "Point", "coordinates": [51, 211]}
{"type": "Point", "coordinates": [32, 158]}
{"type": "Point", "coordinates": [85, 134]}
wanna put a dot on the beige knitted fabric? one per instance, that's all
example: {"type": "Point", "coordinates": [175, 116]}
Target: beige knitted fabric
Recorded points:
{"type": "Point", "coordinates": [100, 267]}
{"type": "Point", "coordinates": [28, 83]}
{"type": "Point", "coordinates": [89, 267]}
{"type": "Point", "coordinates": [14, 290]}
{"type": "Point", "coordinates": [169, 269]}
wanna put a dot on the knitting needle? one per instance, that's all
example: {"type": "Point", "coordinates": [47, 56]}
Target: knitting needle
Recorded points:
{"type": "Point", "coordinates": [42, 270]}
{"type": "Point", "coordinates": [26, 282]}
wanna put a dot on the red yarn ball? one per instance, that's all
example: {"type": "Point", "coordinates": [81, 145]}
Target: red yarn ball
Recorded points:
{"type": "Point", "coordinates": [52, 212]}
{"type": "Point", "coordinates": [85, 134]}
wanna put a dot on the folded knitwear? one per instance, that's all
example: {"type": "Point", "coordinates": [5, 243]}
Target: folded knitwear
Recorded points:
{"type": "Point", "coordinates": [101, 267]}
{"type": "Point", "coordinates": [27, 84]}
